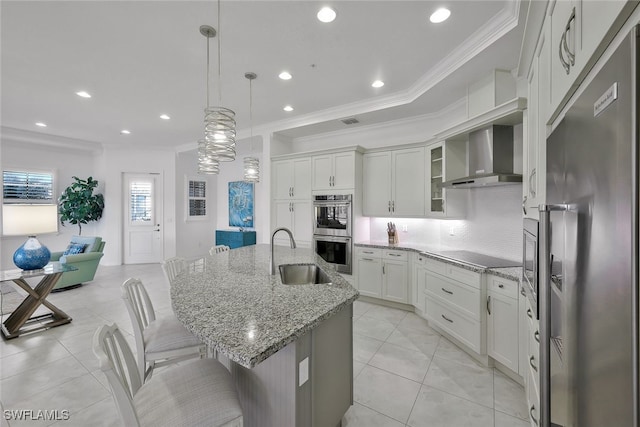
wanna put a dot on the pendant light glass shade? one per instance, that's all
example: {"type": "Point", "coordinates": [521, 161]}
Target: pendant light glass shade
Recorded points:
{"type": "Point", "coordinates": [207, 162]}
{"type": "Point", "coordinates": [251, 164]}
{"type": "Point", "coordinates": [220, 132]}
{"type": "Point", "coordinates": [252, 169]}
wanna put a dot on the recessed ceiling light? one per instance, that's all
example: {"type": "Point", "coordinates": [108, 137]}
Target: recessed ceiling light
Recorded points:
{"type": "Point", "coordinates": [164, 117]}
{"type": "Point", "coordinates": [42, 125]}
{"type": "Point", "coordinates": [125, 132]}
{"type": "Point", "coordinates": [288, 108]}
{"type": "Point", "coordinates": [83, 94]}
{"type": "Point", "coordinates": [285, 75]}
{"type": "Point", "coordinates": [326, 14]}
{"type": "Point", "coordinates": [440, 15]}
{"type": "Point", "coordinates": [377, 83]}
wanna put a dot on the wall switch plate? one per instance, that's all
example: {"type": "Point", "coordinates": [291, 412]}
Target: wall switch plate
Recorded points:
{"type": "Point", "coordinates": [303, 371]}
{"type": "Point", "coordinates": [404, 228]}
{"type": "Point", "coordinates": [451, 231]}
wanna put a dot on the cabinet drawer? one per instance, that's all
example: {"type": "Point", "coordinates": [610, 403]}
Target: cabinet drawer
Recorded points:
{"type": "Point", "coordinates": [368, 252]}
{"type": "Point", "coordinates": [465, 299]}
{"type": "Point", "coordinates": [467, 277]}
{"type": "Point", "coordinates": [436, 266]}
{"type": "Point", "coordinates": [466, 331]}
{"type": "Point", "coordinates": [395, 255]}
{"type": "Point", "coordinates": [506, 287]}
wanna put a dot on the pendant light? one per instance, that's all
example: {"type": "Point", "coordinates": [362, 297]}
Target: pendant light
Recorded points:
{"type": "Point", "coordinates": [251, 164]}
{"type": "Point", "coordinates": [207, 161]}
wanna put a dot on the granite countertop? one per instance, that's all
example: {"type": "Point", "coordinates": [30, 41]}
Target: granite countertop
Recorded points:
{"type": "Point", "coordinates": [232, 303]}
{"type": "Point", "coordinates": [435, 252]}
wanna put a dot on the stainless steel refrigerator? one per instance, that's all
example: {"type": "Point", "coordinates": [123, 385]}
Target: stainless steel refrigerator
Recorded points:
{"type": "Point", "coordinates": [589, 253]}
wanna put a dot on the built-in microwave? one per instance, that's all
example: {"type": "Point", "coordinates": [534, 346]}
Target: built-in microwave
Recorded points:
{"type": "Point", "coordinates": [332, 215]}
{"type": "Point", "coordinates": [530, 256]}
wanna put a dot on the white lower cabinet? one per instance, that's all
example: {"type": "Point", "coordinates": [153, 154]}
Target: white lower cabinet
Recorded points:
{"type": "Point", "coordinates": [419, 284]}
{"type": "Point", "coordinates": [502, 321]}
{"type": "Point", "coordinates": [532, 389]}
{"type": "Point", "coordinates": [453, 298]}
{"type": "Point", "coordinates": [383, 274]}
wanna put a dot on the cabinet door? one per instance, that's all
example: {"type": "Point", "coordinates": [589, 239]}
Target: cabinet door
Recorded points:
{"type": "Point", "coordinates": [435, 174]}
{"type": "Point", "coordinates": [282, 179]}
{"type": "Point", "coordinates": [523, 332]}
{"type": "Point", "coordinates": [283, 218]}
{"type": "Point", "coordinates": [302, 227]}
{"type": "Point", "coordinates": [502, 334]}
{"type": "Point", "coordinates": [408, 182]}
{"type": "Point", "coordinates": [376, 184]}
{"type": "Point", "coordinates": [369, 276]}
{"type": "Point", "coordinates": [344, 171]}
{"type": "Point", "coordinates": [532, 141]}
{"type": "Point", "coordinates": [302, 178]}
{"type": "Point", "coordinates": [322, 172]}
{"type": "Point", "coordinates": [395, 281]}
{"type": "Point", "coordinates": [596, 17]}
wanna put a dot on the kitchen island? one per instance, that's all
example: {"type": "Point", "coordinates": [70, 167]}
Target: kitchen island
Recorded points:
{"type": "Point", "coordinates": [289, 346]}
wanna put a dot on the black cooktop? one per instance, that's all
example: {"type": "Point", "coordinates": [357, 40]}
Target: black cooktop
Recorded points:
{"type": "Point", "coordinates": [480, 260]}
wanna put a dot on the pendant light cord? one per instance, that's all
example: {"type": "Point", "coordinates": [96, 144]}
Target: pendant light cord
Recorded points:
{"type": "Point", "coordinates": [219, 60]}
{"type": "Point", "coordinates": [208, 72]}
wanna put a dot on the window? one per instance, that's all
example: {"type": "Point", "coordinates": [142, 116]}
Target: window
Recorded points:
{"type": "Point", "coordinates": [27, 187]}
{"type": "Point", "coordinates": [141, 202]}
{"type": "Point", "coordinates": [196, 199]}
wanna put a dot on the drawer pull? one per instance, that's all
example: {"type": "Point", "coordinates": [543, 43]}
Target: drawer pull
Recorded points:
{"type": "Point", "coordinates": [501, 286]}
{"type": "Point", "coordinates": [446, 318]}
{"type": "Point", "coordinates": [447, 291]}
{"type": "Point", "coordinates": [489, 305]}
{"type": "Point", "coordinates": [419, 259]}
{"type": "Point", "coordinates": [536, 336]}
{"type": "Point", "coordinates": [529, 313]}
{"type": "Point", "coordinates": [366, 259]}
{"type": "Point", "coordinates": [531, 359]}
{"type": "Point", "coordinates": [395, 255]}
{"type": "Point", "coordinates": [533, 408]}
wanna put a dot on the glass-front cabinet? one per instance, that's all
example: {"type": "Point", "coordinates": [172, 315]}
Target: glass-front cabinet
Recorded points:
{"type": "Point", "coordinates": [436, 177]}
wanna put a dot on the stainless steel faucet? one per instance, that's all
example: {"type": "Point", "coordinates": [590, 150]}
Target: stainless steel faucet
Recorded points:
{"type": "Point", "coordinates": [291, 240]}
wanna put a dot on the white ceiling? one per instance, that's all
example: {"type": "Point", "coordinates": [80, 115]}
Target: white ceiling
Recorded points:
{"type": "Point", "coordinates": [140, 59]}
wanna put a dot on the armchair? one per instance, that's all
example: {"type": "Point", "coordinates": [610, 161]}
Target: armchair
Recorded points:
{"type": "Point", "coordinates": [86, 262]}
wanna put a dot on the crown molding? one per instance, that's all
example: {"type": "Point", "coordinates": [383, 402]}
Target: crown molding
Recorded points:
{"type": "Point", "coordinates": [505, 21]}
{"type": "Point", "coordinates": [9, 134]}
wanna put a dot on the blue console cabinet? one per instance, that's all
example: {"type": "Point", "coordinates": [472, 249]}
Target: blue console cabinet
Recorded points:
{"type": "Point", "coordinates": [235, 239]}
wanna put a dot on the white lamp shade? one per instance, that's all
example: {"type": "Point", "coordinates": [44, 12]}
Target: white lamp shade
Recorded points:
{"type": "Point", "coordinates": [29, 220]}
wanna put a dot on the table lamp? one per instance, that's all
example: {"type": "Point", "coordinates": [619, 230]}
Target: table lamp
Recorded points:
{"type": "Point", "coordinates": [29, 220]}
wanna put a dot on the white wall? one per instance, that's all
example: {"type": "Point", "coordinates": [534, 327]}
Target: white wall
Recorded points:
{"type": "Point", "coordinates": [493, 225]}
{"type": "Point", "coordinates": [64, 163]}
{"type": "Point", "coordinates": [194, 237]}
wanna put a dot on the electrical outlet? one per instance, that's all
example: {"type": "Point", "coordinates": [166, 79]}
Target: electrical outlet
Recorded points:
{"type": "Point", "coordinates": [404, 228]}
{"type": "Point", "coordinates": [451, 231]}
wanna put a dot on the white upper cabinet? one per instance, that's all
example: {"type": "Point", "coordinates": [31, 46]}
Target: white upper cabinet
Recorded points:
{"type": "Point", "coordinates": [445, 162]}
{"type": "Point", "coordinates": [580, 31]}
{"type": "Point", "coordinates": [394, 183]}
{"type": "Point", "coordinates": [334, 171]}
{"type": "Point", "coordinates": [292, 179]}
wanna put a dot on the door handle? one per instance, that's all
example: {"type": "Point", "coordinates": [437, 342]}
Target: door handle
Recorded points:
{"type": "Point", "coordinates": [393, 206]}
{"type": "Point", "coordinates": [524, 205]}
{"type": "Point", "coordinates": [564, 63]}
{"type": "Point", "coordinates": [532, 190]}
{"type": "Point", "coordinates": [446, 291]}
{"type": "Point", "coordinates": [489, 305]}
{"type": "Point", "coordinates": [446, 318]}
{"type": "Point", "coordinates": [389, 206]}
{"type": "Point", "coordinates": [571, 55]}
{"type": "Point", "coordinates": [531, 359]}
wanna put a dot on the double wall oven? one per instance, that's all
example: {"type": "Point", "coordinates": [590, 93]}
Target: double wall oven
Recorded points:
{"type": "Point", "coordinates": [332, 223]}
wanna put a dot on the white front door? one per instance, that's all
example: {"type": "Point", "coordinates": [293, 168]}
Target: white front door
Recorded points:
{"type": "Point", "coordinates": [143, 234]}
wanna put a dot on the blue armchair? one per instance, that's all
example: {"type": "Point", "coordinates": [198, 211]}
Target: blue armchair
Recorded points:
{"type": "Point", "coordinates": [85, 262]}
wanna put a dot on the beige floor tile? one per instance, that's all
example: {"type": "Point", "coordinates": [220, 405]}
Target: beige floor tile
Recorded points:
{"type": "Point", "coordinates": [364, 347]}
{"type": "Point", "coordinates": [471, 383]}
{"type": "Point", "coordinates": [371, 327]}
{"type": "Point", "coordinates": [435, 408]}
{"type": "Point", "coordinates": [504, 420]}
{"type": "Point", "coordinates": [401, 361]}
{"type": "Point", "coordinates": [509, 396]}
{"type": "Point", "coordinates": [361, 416]}
{"type": "Point", "coordinates": [392, 315]}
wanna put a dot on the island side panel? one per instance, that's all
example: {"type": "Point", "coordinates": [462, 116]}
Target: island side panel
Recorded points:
{"type": "Point", "coordinates": [332, 371]}
{"type": "Point", "coordinates": [269, 393]}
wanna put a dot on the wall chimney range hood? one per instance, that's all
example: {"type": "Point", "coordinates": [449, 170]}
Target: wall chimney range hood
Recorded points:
{"type": "Point", "coordinates": [490, 157]}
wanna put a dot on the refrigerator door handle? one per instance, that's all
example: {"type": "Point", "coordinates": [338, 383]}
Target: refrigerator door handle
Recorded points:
{"type": "Point", "coordinates": [544, 308]}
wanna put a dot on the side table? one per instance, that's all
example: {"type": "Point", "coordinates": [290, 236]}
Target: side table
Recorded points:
{"type": "Point", "coordinates": [20, 321]}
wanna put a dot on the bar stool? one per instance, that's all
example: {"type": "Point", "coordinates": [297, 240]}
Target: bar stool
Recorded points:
{"type": "Point", "coordinates": [199, 393]}
{"type": "Point", "coordinates": [159, 342]}
{"type": "Point", "coordinates": [172, 267]}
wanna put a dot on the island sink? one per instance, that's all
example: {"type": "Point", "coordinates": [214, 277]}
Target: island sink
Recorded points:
{"type": "Point", "coordinates": [303, 274]}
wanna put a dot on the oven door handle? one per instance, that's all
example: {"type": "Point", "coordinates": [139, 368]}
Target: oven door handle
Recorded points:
{"type": "Point", "coordinates": [323, 203]}
{"type": "Point", "coordinates": [331, 238]}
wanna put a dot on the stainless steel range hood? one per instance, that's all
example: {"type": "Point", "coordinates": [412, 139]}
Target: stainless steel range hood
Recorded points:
{"type": "Point", "coordinates": [490, 159]}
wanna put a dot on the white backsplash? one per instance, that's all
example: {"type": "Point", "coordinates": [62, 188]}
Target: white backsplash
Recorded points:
{"type": "Point", "coordinates": [493, 225]}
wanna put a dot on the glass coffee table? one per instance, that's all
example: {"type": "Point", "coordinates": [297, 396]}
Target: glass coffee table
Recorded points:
{"type": "Point", "coordinates": [22, 320]}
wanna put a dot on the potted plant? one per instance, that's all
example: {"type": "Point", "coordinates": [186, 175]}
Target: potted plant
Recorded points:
{"type": "Point", "coordinates": [78, 205]}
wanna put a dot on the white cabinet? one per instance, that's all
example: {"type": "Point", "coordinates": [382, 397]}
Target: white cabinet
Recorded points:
{"type": "Point", "coordinates": [395, 286]}
{"type": "Point", "coordinates": [394, 183]}
{"type": "Point", "coordinates": [418, 287]}
{"type": "Point", "coordinates": [292, 179]}
{"type": "Point", "coordinates": [369, 271]}
{"type": "Point", "coordinates": [296, 215]}
{"type": "Point", "coordinates": [445, 161]}
{"type": "Point", "coordinates": [382, 273]}
{"type": "Point", "coordinates": [523, 333]}
{"type": "Point", "coordinates": [502, 321]}
{"type": "Point", "coordinates": [577, 31]}
{"type": "Point", "coordinates": [334, 171]}
{"type": "Point", "coordinates": [454, 300]}
{"type": "Point", "coordinates": [532, 389]}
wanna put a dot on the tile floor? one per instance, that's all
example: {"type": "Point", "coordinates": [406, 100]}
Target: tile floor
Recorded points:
{"type": "Point", "coordinates": [405, 373]}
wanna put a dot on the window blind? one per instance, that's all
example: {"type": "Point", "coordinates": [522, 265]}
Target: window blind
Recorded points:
{"type": "Point", "coordinates": [21, 186]}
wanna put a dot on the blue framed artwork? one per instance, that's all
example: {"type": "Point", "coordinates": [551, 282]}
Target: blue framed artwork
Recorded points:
{"type": "Point", "coordinates": [241, 204]}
